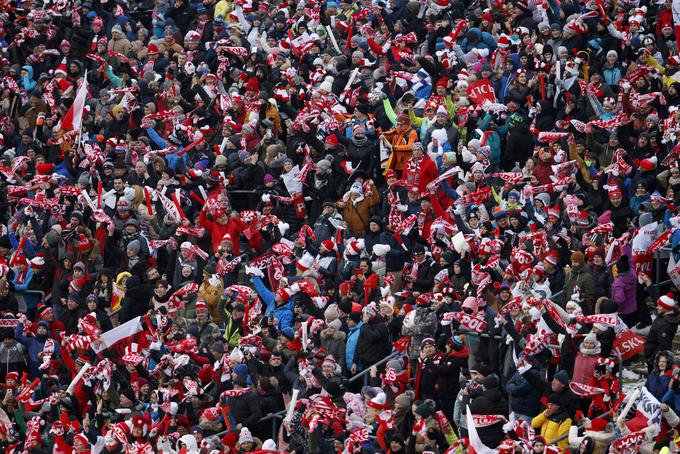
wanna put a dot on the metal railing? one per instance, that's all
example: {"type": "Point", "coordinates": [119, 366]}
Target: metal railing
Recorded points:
{"type": "Point", "coordinates": [364, 373]}
{"type": "Point", "coordinates": [28, 294]}
{"type": "Point", "coordinates": [280, 415]}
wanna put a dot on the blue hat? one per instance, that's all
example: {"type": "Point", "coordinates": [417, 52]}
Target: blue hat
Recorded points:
{"type": "Point", "coordinates": [500, 214]}
{"type": "Point", "coordinates": [563, 377]}
{"type": "Point", "coordinates": [200, 9]}
{"type": "Point", "coordinates": [288, 332]}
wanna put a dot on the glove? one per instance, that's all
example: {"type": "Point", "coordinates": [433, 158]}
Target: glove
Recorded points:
{"type": "Point", "coordinates": [295, 288]}
{"type": "Point", "coordinates": [214, 280]}
{"type": "Point", "coordinates": [266, 198]}
{"type": "Point", "coordinates": [625, 85]}
{"type": "Point", "coordinates": [522, 370]}
{"type": "Point", "coordinates": [459, 210]}
{"type": "Point", "coordinates": [253, 271]}
{"type": "Point", "coordinates": [402, 207]}
{"type": "Point", "coordinates": [535, 314]}
{"type": "Point", "coordinates": [155, 346]}
{"type": "Point", "coordinates": [283, 227]}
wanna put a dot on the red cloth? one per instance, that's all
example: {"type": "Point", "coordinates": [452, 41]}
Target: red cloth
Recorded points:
{"type": "Point", "coordinates": [425, 172]}
{"type": "Point", "coordinates": [233, 227]}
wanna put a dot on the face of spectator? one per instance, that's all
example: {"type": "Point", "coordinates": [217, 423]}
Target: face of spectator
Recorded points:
{"type": "Point", "coordinates": [556, 386]}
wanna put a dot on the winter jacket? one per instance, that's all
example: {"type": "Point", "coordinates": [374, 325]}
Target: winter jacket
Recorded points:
{"type": "Point", "coordinates": [602, 281]}
{"type": "Point", "coordinates": [334, 345]}
{"type": "Point", "coordinates": [657, 383]}
{"type": "Point", "coordinates": [580, 277]}
{"type": "Point", "coordinates": [661, 334]}
{"type": "Point", "coordinates": [525, 391]}
{"type": "Point", "coordinates": [356, 214]}
{"type": "Point", "coordinates": [351, 346]}
{"type": "Point", "coordinates": [136, 301]}
{"type": "Point", "coordinates": [34, 345]}
{"type": "Point", "coordinates": [245, 409]}
{"type": "Point", "coordinates": [553, 427]}
{"type": "Point", "coordinates": [424, 325]}
{"type": "Point", "coordinates": [491, 402]}
{"type": "Point", "coordinates": [283, 313]}
{"type": "Point", "coordinates": [624, 292]}
{"type": "Point", "coordinates": [477, 39]}
{"type": "Point", "coordinates": [374, 343]}
{"type": "Point", "coordinates": [233, 227]}
{"type": "Point", "coordinates": [584, 366]}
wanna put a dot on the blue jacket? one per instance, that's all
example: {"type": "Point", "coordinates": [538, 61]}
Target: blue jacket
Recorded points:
{"type": "Point", "coordinates": [34, 346]}
{"type": "Point", "coordinates": [672, 399]}
{"type": "Point", "coordinates": [27, 82]}
{"type": "Point", "coordinates": [351, 346]}
{"type": "Point", "coordinates": [284, 314]}
{"type": "Point", "coordinates": [525, 397]}
{"type": "Point", "coordinates": [484, 41]}
{"type": "Point", "coordinates": [27, 280]}
{"type": "Point", "coordinates": [657, 384]}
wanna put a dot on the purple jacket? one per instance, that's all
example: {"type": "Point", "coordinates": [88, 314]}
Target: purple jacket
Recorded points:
{"type": "Point", "coordinates": [624, 292]}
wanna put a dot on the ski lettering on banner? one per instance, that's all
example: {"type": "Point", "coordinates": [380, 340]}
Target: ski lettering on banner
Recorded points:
{"type": "Point", "coordinates": [628, 344]}
{"type": "Point", "coordinates": [629, 443]}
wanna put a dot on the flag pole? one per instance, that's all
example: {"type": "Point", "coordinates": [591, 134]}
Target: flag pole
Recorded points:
{"type": "Point", "coordinates": [80, 129]}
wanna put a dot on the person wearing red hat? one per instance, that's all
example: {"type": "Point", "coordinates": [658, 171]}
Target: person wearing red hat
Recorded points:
{"type": "Point", "coordinates": [221, 222]}
{"type": "Point", "coordinates": [621, 214]}
{"type": "Point", "coordinates": [663, 329]}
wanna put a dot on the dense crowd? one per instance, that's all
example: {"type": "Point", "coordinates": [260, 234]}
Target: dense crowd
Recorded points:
{"type": "Point", "coordinates": [339, 226]}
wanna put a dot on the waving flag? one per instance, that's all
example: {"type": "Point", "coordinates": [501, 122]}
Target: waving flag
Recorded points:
{"type": "Point", "coordinates": [73, 120]}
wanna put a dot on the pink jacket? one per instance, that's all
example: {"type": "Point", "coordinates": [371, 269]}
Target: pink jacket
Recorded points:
{"type": "Point", "coordinates": [584, 366]}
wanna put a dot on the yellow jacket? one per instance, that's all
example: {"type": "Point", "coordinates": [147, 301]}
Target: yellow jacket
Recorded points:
{"type": "Point", "coordinates": [667, 81]}
{"type": "Point", "coordinates": [551, 430]}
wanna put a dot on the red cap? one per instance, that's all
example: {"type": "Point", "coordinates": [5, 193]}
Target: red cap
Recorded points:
{"type": "Point", "coordinates": [332, 139]}
{"type": "Point", "coordinates": [44, 168]}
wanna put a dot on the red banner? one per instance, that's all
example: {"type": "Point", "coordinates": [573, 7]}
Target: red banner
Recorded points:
{"type": "Point", "coordinates": [584, 390]}
{"type": "Point", "coordinates": [610, 320]}
{"type": "Point", "coordinates": [642, 263]}
{"type": "Point", "coordinates": [628, 344]}
{"type": "Point", "coordinates": [481, 91]}
{"type": "Point", "coordinates": [488, 420]}
{"type": "Point", "coordinates": [472, 323]}
{"type": "Point", "coordinates": [629, 443]}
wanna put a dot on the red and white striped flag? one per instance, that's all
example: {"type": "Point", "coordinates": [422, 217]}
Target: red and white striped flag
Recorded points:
{"type": "Point", "coordinates": [676, 18]}
{"type": "Point", "coordinates": [73, 120]}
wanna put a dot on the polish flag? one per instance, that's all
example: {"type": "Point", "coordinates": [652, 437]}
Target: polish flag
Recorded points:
{"type": "Point", "coordinates": [73, 120]}
{"type": "Point", "coordinates": [675, 7]}
{"type": "Point", "coordinates": [476, 445]}
{"type": "Point", "coordinates": [118, 337]}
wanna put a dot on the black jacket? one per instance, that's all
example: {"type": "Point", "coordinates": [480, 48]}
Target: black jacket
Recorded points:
{"type": "Point", "coordinates": [491, 402]}
{"type": "Point", "coordinates": [374, 343]}
{"type": "Point", "coordinates": [245, 409]}
{"type": "Point", "coordinates": [661, 335]}
{"type": "Point", "coordinates": [136, 300]}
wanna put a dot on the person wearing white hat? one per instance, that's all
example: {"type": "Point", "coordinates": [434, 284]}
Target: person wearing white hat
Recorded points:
{"type": "Point", "coordinates": [663, 329]}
